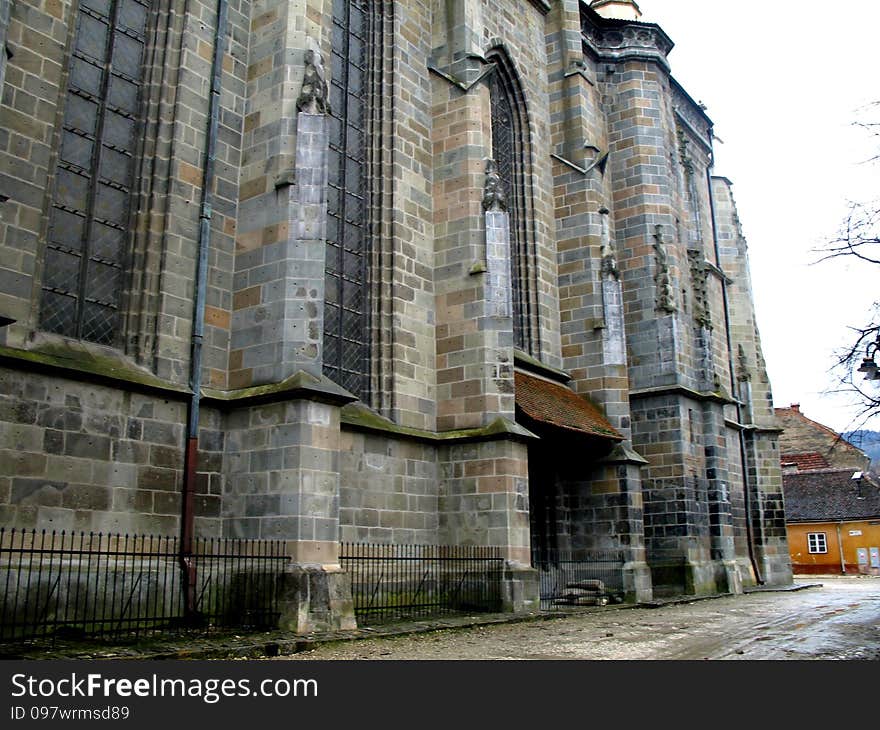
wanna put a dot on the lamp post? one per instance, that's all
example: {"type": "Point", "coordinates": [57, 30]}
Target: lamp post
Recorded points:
{"type": "Point", "coordinates": [868, 366]}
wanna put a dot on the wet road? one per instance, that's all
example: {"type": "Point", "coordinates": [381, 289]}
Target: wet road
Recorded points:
{"type": "Point", "coordinates": [840, 620]}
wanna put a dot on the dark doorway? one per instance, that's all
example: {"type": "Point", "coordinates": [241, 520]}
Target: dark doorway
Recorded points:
{"type": "Point", "coordinates": [544, 507]}
{"type": "Point", "coordinates": [573, 571]}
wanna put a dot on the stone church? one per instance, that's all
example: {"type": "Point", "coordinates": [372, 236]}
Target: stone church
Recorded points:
{"type": "Point", "coordinates": [442, 272]}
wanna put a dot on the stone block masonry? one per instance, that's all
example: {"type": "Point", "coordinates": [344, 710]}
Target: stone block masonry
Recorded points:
{"type": "Point", "coordinates": [567, 235]}
{"type": "Point", "coordinates": [389, 491]}
{"type": "Point", "coordinates": [282, 463]}
{"type": "Point", "coordinates": [82, 457]}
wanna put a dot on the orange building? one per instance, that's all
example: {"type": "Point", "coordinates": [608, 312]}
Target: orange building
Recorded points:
{"type": "Point", "coordinates": [833, 521]}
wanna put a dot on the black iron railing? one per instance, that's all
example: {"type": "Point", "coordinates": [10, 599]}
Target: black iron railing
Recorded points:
{"type": "Point", "coordinates": [77, 585]}
{"type": "Point", "coordinates": [402, 582]}
{"type": "Point", "coordinates": [579, 577]}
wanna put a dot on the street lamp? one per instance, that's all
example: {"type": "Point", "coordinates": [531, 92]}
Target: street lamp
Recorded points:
{"type": "Point", "coordinates": [868, 366]}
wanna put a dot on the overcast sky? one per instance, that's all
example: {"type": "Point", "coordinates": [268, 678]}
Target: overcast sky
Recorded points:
{"type": "Point", "coordinates": [783, 82]}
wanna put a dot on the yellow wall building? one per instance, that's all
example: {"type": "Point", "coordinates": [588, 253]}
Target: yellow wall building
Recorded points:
{"type": "Point", "coordinates": [833, 522]}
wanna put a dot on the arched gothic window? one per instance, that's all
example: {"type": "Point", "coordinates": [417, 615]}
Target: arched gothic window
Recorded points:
{"type": "Point", "coordinates": [346, 310]}
{"type": "Point", "coordinates": [89, 215]}
{"type": "Point", "coordinates": [510, 136]}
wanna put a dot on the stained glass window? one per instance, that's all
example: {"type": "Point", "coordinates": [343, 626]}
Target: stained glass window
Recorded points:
{"type": "Point", "coordinates": [346, 310]}
{"type": "Point", "coordinates": [508, 134]}
{"type": "Point", "coordinates": [89, 215]}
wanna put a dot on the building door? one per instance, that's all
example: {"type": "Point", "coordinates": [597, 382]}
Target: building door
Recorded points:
{"type": "Point", "coordinates": [543, 508]}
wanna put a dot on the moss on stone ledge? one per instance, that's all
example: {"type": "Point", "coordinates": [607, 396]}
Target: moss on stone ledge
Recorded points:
{"type": "Point", "coordinates": [360, 417]}
{"type": "Point", "coordinates": [300, 384]}
{"type": "Point", "coordinates": [86, 362]}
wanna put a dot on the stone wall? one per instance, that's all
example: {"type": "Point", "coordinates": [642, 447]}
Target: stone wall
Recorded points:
{"type": "Point", "coordinates": [97, 458]}
{"type": "Point", "coordinates": [628, 281]}
{"type": "Point", "coordinates": [389, 490]}
{"type": "Point", "coordinates": [484, 497]}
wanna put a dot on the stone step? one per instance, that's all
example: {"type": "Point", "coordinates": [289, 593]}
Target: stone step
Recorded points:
{"type": "Point", "coordinates": [582, 600]}
{"type": "Point", "coordinates": [589, 585]}
{"type": "Point", "coordinates": [582, 592]}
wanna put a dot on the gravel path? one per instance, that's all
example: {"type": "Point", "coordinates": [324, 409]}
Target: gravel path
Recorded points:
{"type": "Point", "coordinates": [840, 620]}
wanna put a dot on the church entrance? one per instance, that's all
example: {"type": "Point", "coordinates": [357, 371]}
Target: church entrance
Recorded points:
{"type": "Point", "coordinates": [570, 534]}
{"type": "Point", "coordinates": [564, 536]}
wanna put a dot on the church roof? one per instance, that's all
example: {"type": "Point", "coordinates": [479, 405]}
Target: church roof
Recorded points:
{"type": "Point", "coordinates": [556, 405]}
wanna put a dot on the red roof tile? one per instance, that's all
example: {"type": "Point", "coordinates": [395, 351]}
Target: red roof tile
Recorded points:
{"type": "Point", "coordinates": [795, 412]}
{"type": "Point", "coordinates": [557, 405]}
{"type": "Point", "coordinates": [806, 462]}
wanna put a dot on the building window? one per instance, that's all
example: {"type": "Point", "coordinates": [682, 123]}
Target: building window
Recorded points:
{"type": "Point", "coordinates": [89, 215]}
{"type": "Point", "coordinates": [509, 136]}
{"type": "Point", "coordinates": [346, 310]}
{"type": "Point", "coordinates": [816, 542]}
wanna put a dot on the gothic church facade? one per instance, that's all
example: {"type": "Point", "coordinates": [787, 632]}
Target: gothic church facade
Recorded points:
{"type": "Point", "coordinates": [419, 272]}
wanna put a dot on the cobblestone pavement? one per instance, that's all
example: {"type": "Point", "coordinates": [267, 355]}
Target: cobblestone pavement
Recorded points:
{"type": "Point", "coordinates": [838, 620]}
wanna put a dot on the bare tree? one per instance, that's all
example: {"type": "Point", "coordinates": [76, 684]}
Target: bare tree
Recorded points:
{"type": "Point", "coordinates": [859, 237]}
{"type": "Point", "coordinates": [851, 372]}
{"type": "Point", "coordinates": [868, 122]}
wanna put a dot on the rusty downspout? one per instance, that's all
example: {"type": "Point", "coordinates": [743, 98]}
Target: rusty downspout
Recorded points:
{"type": "Point", "coordinates": [198, 330]}
{"type": "Point", "coordinates": [750, 537]}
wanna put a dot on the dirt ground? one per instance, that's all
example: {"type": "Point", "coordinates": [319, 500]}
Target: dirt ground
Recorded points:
{"type": "Point", "coordinates": [839, 620]}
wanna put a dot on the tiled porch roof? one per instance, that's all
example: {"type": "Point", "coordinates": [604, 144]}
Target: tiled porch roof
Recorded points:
{"type": "Point", "coordinates": [556, 405]}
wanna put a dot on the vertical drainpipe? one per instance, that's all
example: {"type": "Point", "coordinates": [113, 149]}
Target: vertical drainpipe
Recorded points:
{"type": "Point", "coordinates": [750, 538]}
{"type": "Point", "coordinates": [840, 548]}
{"type": "Point", "coordinates": [198, 329]}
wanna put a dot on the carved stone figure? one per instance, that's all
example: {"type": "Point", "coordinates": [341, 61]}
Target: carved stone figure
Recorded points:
{"type": "Point", "coordinates": [745, 373]}
{"type": "Point", "coordinates": [494, 197]}
{"type": "Point", "coordinates": [662, 279]}
{"type": "Point", "coordinates": [609, 255]}
{"type": "Point", "coordinates": [699, 283]}
{"type": "Point", "coordinates": [313, 98]}
{"type": "Point", "coordinates": [684, 155]}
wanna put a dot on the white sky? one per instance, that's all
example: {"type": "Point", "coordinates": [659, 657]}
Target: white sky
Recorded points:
{"type": "Point", "coordinates": [783, 82]}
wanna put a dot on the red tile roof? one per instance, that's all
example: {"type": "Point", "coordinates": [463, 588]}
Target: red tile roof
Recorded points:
{"type": "Point", "coordinates": [557, 405]}
{"type": "Point", "coordinates": [794, 410]}
{"type": "Point", "coordinates": [806, 462]}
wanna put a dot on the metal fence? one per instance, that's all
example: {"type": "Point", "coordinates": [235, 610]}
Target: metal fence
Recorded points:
{"type": "Point", "coordinates": [77, 585]}
{"type": "Point", "coordinates": [400, 582]}
{"type": "Point", "coordinates": [579, 577]}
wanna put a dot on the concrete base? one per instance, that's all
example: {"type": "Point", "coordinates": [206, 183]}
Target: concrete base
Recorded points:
{"type": "Point", "coordinates": [520, 589]}
{"type": "Point", "coordinates": [697, 577]}
{"type": "Point", "coordinates": [316, 598]}
{"type": "Point", "coordinates": [776, 570]}
{"type": "Point", "coordinates": [712, 576]}
{"type": "Point", "coordinates": [746, 572]}
{"type": "Point", "coordinates": [731, 579]}
{"type": "Point", "coordinates": [637, 585]}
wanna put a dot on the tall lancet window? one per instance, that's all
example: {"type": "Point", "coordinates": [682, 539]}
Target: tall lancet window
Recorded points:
{"type": "Point", "coordinates": [89, 215]}
{"type": "Point", "coordinates": [509, 143]}
{"type": "Point", "coordinates": [346, 310]}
